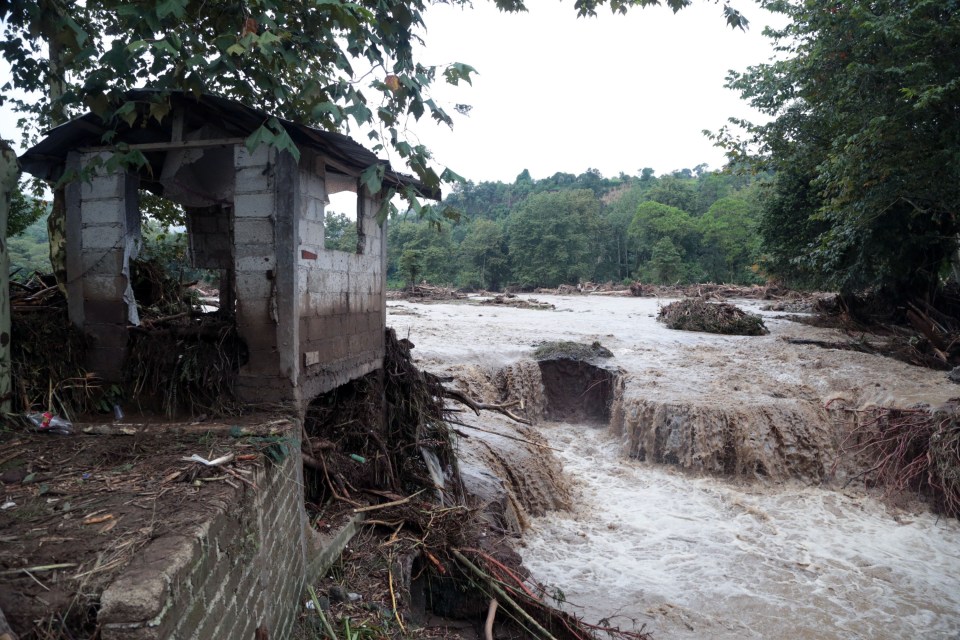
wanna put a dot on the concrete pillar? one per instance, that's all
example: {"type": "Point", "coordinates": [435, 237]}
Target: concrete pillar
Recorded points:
{"type": "Point", "coordinates": [266, 206]}
{"type": "Point", "coordinates": [103, 234]}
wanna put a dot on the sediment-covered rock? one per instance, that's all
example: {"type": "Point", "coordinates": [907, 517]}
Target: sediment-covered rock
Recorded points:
{"type": "Point", "coordinates": [778, 438]}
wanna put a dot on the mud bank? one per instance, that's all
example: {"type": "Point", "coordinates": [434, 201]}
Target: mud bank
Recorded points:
{"type": "Point", "coordinates": [759, 541]}
{"type": "Point", "coordinates": [734, 405]}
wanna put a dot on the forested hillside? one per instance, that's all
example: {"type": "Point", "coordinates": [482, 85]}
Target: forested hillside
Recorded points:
{"type": "Point", "coordinates": [687, 226]}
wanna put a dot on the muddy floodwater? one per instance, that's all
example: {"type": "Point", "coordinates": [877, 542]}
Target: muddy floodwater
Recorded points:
{"type": "Point", "coordinates": [778, 549]}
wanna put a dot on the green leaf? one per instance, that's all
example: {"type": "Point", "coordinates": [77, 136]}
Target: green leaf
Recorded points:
{"type": "Point", "coordinates": [137, 46]}
{"type": "Point", "coordinates": [262, 135]}
{"type": "Point", "coordinates": [127, 112]}
{"type": "Point", "coordinates": [236, 49]}
{"type": "Point", "coordinates": [457, 72]}
{"type": "Point", "coordinates": [450, 176]}
{"type": "Point", "coordinates": [163, 45]}
{"type": "Point", "coordinates": [372, 178]}
{"type": "Point", "coordinates": [176, 8]}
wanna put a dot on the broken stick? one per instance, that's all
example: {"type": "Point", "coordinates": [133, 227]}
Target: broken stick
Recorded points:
{"type": "Point", "coordinates": [461, 397]}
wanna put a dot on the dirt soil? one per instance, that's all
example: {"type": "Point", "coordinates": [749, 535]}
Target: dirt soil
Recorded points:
{"type": "Point", "coordinates": [77, 508]}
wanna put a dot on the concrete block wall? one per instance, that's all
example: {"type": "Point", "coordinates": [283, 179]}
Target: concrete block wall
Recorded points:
{"type": "Point", "coordinates": [103, 233]}
{"type": "Point", "coordinates": [210, 233]}
{"type": "Point", "coordinates": [243, 568]}
{"type": "Point", "coordinates": [258, 241]}
{"type": "Point", "coordinates": [340, 295]}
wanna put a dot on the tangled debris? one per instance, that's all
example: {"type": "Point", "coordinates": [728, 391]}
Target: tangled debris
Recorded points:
{"type": "Point", "coordinates": [47, 352]}
{"type": "Point", "coordinates": [180, 360]}
{"type": "Point", "coordinates": [922, 332]}
{"type": "Point", "coordinates": [710, 291]}
{"type": "Point", "coordinates": [424, 292]}
{"type": "Point", "coordinates": [185, 363]}
{"type": "Point", "coordinates": [723, 318]}
{"type": "Point", "coordinates": [427, 549]}
{"type": "Point", "coordinates": [511, 300]}
{"type": "Point", "coordinates": [564, 349]}
{"type": "Point", "coordinates": [915, 449]}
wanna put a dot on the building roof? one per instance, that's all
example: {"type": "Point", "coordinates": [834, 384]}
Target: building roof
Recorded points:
{"type": "Point", "coordinates": [47, 158]}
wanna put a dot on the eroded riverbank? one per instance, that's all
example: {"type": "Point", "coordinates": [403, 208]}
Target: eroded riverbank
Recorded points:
{"type": "Point", "coordinates": [762, 554]}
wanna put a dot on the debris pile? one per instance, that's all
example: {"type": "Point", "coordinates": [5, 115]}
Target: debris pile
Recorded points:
{"type": "Point", "coordinates": [383, 447]}
{"type": "Point", "coordinates": [922, 332]}
{"type": "Point", "coordinates": [47, 352]}
{"type": "Point", "coordinates": [724, 318]}
{"type": "Point", "coordinates": [512, 300]}
{"type": "Point", "coordinates": [424, 292]}
{"type": "Point", "coordinates": [711, 291]}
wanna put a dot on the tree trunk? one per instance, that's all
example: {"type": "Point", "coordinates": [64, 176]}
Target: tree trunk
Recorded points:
{"type": "Point", "coordinates": [9, 171]}
{"type": "Point", "coordinates": [57, 220]}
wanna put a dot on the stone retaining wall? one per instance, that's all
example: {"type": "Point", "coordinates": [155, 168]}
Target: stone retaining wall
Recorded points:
{"type": "Point", "coordinates": [241, 570]}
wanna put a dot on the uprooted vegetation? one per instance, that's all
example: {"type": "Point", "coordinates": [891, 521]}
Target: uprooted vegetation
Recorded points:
{"type": "Point", "coordinates": [924, 332]}
{"type": "Point", "coordinates": [910, 450]}
{"type": "Point", "coordinates": [180, 360]}
{"type": "Point", "coordinates": [426, 549]}
{"type": "Point", "coordinates": [723, 318]}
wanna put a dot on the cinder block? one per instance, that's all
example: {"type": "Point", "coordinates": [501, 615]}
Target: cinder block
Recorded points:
{"type": "Point", "coordinates": [253, 205]}
{"type": "Point", "coordinates": [105, 287]}
{"type": "Point", "coordinates": [101, 262]}
{"type": "Point", "coordinates": [264, 362]}
{"type": "Point", "coordinates": [312, 185]}
{"type": "Point", "coordinates": [311, 208]}
{"type": "Point", "coordinates": [103, 187]}
{"type": "Point", "coordinates": [253, 286]}
{"type": "Point", "coordinates": [97, 212]}
{"type": "Point", "coordinates": [253, 231]}
{"type": "Point", "coordinates": [102, 236]}
{"type": "Point", "coordinates": [250, 179]}
{"type": "Point", "coordinates": [311, 233]}
{"type": "Point", "coordinates": [260, 156]}
{"type": "Point", "coordinates": [254, 263]}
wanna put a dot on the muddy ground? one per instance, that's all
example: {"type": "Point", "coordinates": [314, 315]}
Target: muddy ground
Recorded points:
{"type": "Point", "coordinates": [77, 508]}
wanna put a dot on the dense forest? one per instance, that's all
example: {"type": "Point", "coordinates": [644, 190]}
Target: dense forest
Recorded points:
{"type": "Point", "coordinates": [687, 226]}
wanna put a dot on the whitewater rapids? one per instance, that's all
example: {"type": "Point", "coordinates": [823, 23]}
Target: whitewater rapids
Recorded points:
{"type": "Point", "coordinates": [689, 553]}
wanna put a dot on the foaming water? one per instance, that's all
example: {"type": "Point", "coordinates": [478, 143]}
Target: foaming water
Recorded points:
{"type": "Point", "coordinates": [705, 558]}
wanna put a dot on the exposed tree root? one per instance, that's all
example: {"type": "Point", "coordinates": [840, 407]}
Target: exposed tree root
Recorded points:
{"type": "Point", "coordinates": [911, 450]}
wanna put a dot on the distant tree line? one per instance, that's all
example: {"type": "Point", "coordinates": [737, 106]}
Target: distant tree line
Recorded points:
{"type": "Point", "coordinates": [687, 226]}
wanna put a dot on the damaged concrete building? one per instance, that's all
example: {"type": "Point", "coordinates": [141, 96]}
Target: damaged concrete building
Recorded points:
{"type": "Point", "coordinates": [311, 318]}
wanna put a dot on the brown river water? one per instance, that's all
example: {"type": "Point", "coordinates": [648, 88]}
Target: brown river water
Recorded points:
{"type": "Point", "coordinates": [789, 553]}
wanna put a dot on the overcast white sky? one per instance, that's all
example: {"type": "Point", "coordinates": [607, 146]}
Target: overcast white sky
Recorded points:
{"type": "Point", "coordinates": [559, 93]}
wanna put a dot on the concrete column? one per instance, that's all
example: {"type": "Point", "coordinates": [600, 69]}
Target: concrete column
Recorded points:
{"type": "Point", "coordinates": [266, 238]}
{"type": "Point", "coordinates": [103, 231]}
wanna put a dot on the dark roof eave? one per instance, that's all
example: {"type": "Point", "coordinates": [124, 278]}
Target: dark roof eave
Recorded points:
{"type": "Point", "coordinates": [47, 158]}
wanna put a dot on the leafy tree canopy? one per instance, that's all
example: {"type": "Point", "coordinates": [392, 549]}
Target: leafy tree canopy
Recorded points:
{"type": "Point", "coordinates": [864, 142]}
{"type": "Point", "coordinates": [333, 64]}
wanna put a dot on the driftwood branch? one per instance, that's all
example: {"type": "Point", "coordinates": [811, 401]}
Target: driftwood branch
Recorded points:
{"type": "Point", "coordinates": [491, 615]}
{"type": "Point", "coordinates": [504, 435]}
{"type": "Point", "coordinates": [463, 398]}
{"type": "Point", "coordinates": [502, 595]}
